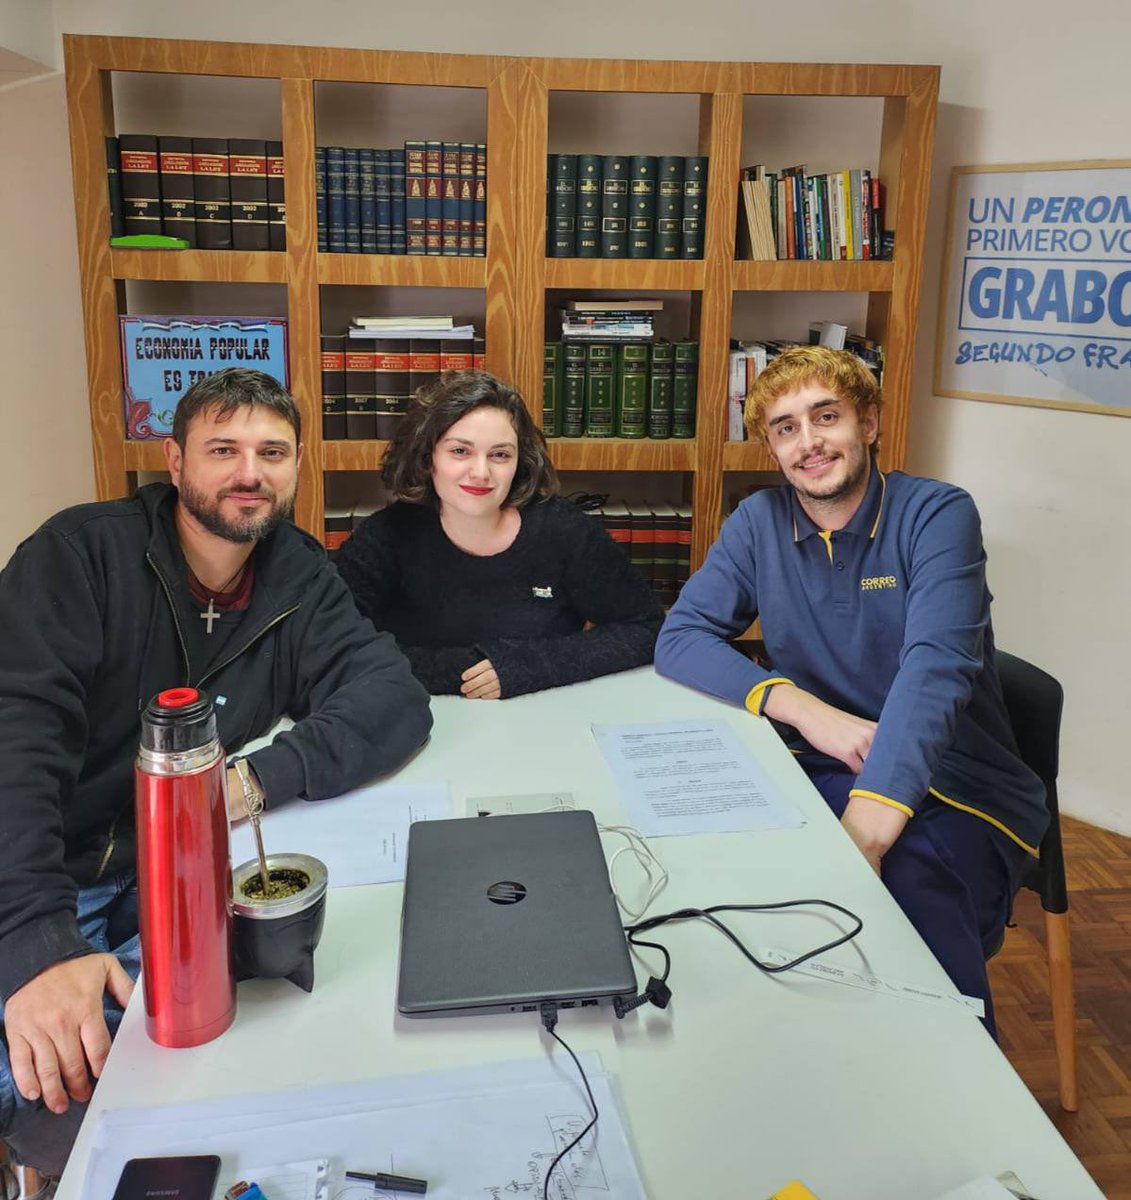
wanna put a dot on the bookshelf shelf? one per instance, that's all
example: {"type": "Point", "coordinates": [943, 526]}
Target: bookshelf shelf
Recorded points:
{"type": "Point", "coordinates": [192, 266]}
{"type": "Point", "coordinates": [353, 456]}
{"type": "Point", "coordinates": [621, 454]}
{"type": "Point", "coordinates": [516, 275]}
{"type": "Point", "coordinates": [791, 275]}
{"type": "Point", "coordinates": [637, 274]}
{"type": "Point", "coordinates": [400, 270]}
{"type": "Point", "coordinates": [144, 456]}
{"type": "Point", "coordinates": [747, 456]}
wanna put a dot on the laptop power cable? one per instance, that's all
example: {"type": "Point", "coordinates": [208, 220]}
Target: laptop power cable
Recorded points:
{"type": "Point", "coordinates": [657, 990]}
{"type": "Point", "coordinates": [549, 1011]}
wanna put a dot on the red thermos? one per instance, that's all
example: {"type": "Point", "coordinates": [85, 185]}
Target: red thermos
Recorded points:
{"type": "Point", "coordinates": [184, 871]}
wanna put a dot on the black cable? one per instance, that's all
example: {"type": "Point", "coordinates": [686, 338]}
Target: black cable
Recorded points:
{"type": "Point", "coordinates": [549, 1022]}
{"type": "Point", "coordinates": [707, 914]}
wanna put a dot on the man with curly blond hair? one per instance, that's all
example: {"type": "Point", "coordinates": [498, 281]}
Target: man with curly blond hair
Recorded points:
{"type": "Point", "coordinates": [871, 589]}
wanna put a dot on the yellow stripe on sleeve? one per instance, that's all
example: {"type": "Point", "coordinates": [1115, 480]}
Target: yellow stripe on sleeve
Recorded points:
{"type": "Point", "coordinates": [882, 799]}
{"type": "Point", "coordinates": [756, 697]}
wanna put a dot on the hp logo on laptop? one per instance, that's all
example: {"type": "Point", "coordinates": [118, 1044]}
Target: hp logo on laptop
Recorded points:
{"type": "Point", "coordinates": [506, 892]}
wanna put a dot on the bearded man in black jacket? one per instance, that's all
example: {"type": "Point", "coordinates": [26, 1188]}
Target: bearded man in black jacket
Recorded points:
{"type": "Point", "coordinates": [202, 583]}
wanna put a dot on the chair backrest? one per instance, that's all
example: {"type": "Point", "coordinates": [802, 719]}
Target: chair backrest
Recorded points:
{"type": "Point", "coordinates": [1034, 701]}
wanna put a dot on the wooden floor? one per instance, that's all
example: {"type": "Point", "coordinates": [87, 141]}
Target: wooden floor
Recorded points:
{"type": "Point", "coordinates": [1099, 882]}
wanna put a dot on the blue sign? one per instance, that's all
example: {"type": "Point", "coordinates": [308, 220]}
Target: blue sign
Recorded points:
{"type": "Point", "coordinates": [1036, 300]}
{"type": "Point", "coordinates": [162, 357]}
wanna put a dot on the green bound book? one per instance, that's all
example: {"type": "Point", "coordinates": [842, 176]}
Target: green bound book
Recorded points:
{"type": "Point", "coordinates": [632, 390]}
{"type": "Point", "coordinates": [552, 380]}
{"type": "Point", "coordinates": [588, 206]}
{"type": "Point", "coordinates": [685, 389]}
{"type": "Point", "coordinates": [573, 389]}
{"type": "Point", "coordinates": [614, 206]}
{"type": "Point", "coordinates": [660, 390]}
{"type": "Point", "coordinates": [564, 217]}
{"type": "Point", "coordinates": [694, 206]}
{"type": "Point", "coordinates": [641, 206]}
{"type": "Point", "coordinates": [669, 206]}
{"type": "Point", "coordinates": [600, 389]}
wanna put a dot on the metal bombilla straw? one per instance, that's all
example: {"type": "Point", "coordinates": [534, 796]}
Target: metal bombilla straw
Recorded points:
{"type": "Point", "coordinates": [253, 802]}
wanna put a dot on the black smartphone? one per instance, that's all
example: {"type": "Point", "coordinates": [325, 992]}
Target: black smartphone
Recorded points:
{"type": "Point", "coordinates": [187, 1177]}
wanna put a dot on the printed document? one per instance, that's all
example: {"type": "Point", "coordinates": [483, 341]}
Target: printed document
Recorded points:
{"type": "Point", "coordinates": [691, 777]}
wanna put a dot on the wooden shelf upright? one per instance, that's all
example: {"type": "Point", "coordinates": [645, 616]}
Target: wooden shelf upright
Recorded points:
{"type": "Point", "coordinates": [516, 274]}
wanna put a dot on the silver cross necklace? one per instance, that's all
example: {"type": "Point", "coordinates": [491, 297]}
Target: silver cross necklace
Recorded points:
{"type": "Point", "coordinates": [210, 616]}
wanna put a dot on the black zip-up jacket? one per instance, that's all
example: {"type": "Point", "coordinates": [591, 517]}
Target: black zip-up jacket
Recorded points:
{"type": "Point", "coordinates": [91, 627]}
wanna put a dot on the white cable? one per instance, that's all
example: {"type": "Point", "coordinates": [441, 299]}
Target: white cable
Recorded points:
{"type": "Point", "coordinates": [654, 871]}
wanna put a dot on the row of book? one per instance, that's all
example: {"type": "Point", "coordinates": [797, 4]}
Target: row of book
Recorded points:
{"type": "Point", "coordinates": [657, 540]}
{"type": "Point", "coordinates": [428, 197]}
{"type": "Point", "coordinates": [214, 193]}
{"type": "Point", "coordinates": [625, 206]}
{"type": "Point", "coordinates": [626, 390]}
{"type": "Point", "coordinates": [367, 383]}
{"type": "Point", "coordinates": [748, 359]}
{"type": "Point", "coordinates": [792, 214]}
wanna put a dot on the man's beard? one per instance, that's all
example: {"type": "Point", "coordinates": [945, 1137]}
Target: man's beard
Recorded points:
{"type": "Point", "coordinates": [252, 527]}
{"type": "Point", "coordinates": [855, 474]}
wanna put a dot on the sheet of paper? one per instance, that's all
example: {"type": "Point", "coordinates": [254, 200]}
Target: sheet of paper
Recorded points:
{"type": "Point", "coordinates": [815, 968]}
{"type": "Point", "coordinates": [361, 836]}
{"type": "Point", "coordinates": [531, 802]}
{"type": "Point", "coordinates": [691, 777]}
{"type": "Point", "coordinates": [293, 1180]}
{"type": "Point", "coordinates": [490, 1132]}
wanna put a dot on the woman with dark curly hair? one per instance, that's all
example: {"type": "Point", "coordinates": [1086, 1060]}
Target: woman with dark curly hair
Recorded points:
{"type": "Point", "coordinates": [492, 584]}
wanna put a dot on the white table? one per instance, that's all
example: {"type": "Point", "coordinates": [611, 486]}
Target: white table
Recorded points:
{"type": "Point", "coordinates": [746, 1082]}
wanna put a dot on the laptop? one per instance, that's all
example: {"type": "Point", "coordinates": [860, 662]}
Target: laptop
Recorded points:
{"type": "Point", "coordinates": [503, 913]}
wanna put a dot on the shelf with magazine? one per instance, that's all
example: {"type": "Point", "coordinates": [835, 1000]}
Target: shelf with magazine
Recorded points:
{"type": "Point", "coordinates": [168, 334]}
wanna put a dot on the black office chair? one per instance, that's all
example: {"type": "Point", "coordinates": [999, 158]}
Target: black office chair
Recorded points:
{"type": "Point", "coordinates": [1034, 700]}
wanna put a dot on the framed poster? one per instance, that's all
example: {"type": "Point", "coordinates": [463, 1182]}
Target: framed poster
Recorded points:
{"type": "Point", "coordinates": [1036, 291]}
{"type": "Point", "coordinates": [162, 357]}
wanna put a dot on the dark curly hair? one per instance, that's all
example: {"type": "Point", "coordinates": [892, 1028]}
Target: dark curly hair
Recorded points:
{"type": "Point", "coordinates": [407, 466]}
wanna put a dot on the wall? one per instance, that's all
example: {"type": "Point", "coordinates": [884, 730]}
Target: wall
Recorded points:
{"type": "Point", "coordinates": [1020, 82]}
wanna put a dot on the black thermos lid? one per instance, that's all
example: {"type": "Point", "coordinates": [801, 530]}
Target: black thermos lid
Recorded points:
{"type": "Point", "coordinates": [177, 720]}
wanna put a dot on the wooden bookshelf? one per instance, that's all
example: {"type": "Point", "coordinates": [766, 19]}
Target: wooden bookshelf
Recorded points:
{"type": "Point", "coordinates": [516, 274]}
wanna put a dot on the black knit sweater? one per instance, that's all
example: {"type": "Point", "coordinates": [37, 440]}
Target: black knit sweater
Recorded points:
{"type": "Point", "coordinates": [525, 609]}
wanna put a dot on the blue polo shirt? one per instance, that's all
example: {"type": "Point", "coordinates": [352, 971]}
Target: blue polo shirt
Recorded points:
{"type": "Point", "coordinates": [887, 618]}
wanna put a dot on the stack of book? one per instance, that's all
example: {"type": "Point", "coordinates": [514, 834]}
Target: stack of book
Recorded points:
{"type": "Point", "coordinates": [627, 390]}
{"type": "Point", "coordinates": [214, 193]}
{"type": "Point", "coordinates": [390, 328]}
{"type": "Point", "coordinates": [657, 539]}
{"type": "Point", "coordinates": [609, 320]}
{"type": "Point", "coordinates": [625, 206]}
{"type": "Point", "coordinates": [792, 214]}
{"type": "Point", "coordinates": [428, 197]}
{"type": "Point", "coordinates": [368, 380]}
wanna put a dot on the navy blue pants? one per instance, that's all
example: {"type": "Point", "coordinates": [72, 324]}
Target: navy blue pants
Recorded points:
{"type": "Point", "coordinates": [954, 875]}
